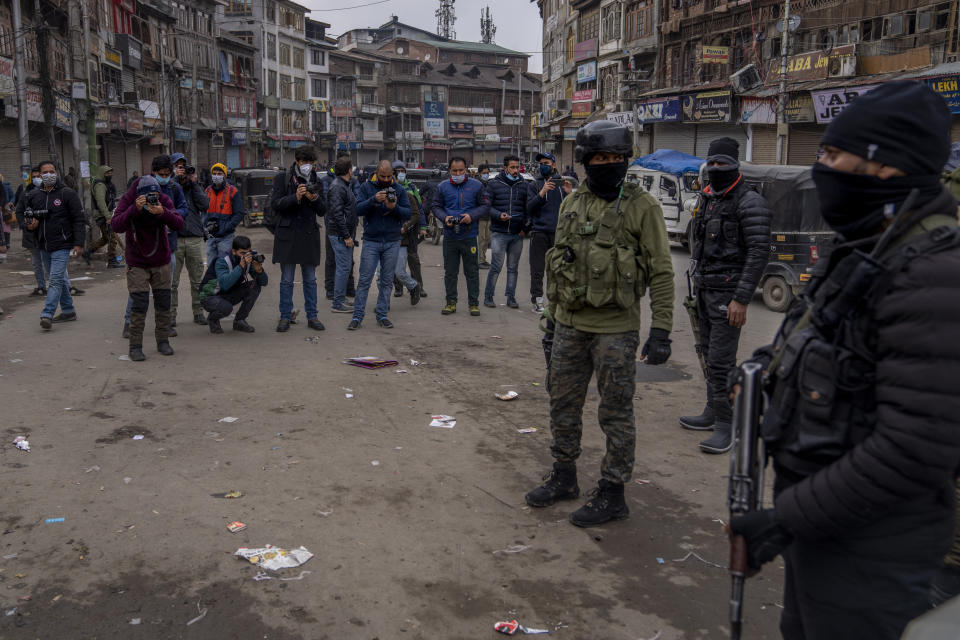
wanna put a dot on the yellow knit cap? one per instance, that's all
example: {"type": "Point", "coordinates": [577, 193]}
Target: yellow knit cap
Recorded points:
{"type": "Point", "coordinates": [220, 166]}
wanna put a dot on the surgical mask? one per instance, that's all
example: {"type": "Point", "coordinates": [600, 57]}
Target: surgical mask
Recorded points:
{"type": "Point", "coordinates": [215, 179]}
{"type": "Point", "coordinates": [545, 170]}
{"type": "Point", "coordinates": [605, 179]}
{"type": "Point", "coordinates": [484, 176]}
{"type": "Point", "coordinates": [163, 180]}
{"type": "Point", "coordinates": [458, 179]}
{"type": "Point", "coordinates": [305, 169]}
{"type": "Point", "coordinates": [401, 176]}
{"type": "Point", "coordinates": [513, 178]}
{"type": "Point", "coordinates": [49, 179]}
{"type": "Point", "coordinates": [37, 182]}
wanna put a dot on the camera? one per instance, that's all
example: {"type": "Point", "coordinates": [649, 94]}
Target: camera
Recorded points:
{"type": "Point", "coordinates": [257, 257]}
{"type": "Point", "coordinates": [153, 198]}
{"type": "Point", "coordinates": [29, 215]}
{"type": "Point", "coordinates": [190, 170]}
{"type": "Point", "coordinates": [456, 222]}
{"type": "Point", "coordinates": [212, 227]}
{"type": "Point", "coordinates": [314, 187]}
{"type": "Point", "coordinates": [391, 194]}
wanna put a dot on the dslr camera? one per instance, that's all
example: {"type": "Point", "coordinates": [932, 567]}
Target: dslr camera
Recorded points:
{"type": "Point", "coordinates": [456, 222]}
{"type": "Point", "coordinates": [29, 215]}
{"type": "Point", "coordinates": [391, 194]}
{"type": "Point", "coordinates": [314, 188]}
{"type": "Point", "coordinates": [190, 170]}
{"type": "Point", "coordinates": [212, 227]}
{"type": "Point", "coordinates": [257, 257]}
{"type": "Point", "coordinates": [153, 198]}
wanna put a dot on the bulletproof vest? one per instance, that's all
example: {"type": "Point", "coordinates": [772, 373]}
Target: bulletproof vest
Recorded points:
{"type": "Point", "coordinates": [594, 263]}
{"type": "Point", "coordinates": [821, 383]}
{"type": "Point", "coordinates": [720, 247]}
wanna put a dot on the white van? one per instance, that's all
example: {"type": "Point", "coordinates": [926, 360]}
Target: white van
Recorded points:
{"type": "Point", "coordinates": [677, 194]}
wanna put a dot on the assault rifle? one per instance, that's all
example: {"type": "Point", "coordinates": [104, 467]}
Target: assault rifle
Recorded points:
{"type": "Point", "coordinates": [747, 462]}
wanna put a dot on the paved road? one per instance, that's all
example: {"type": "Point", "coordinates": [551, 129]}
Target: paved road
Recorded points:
{"type": "Point", "coordinates": [411, 526]}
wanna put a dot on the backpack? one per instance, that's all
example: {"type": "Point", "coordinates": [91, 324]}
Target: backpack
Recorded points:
{"type": "Point", "coordinates": [270, 217]}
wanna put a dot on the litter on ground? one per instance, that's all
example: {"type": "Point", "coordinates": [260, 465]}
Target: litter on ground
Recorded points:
{"type": "Point", "coordinates": [445, 422]}
{"type": "Point", "coordinates": [21, 442]}
{"type": "Point", "coordinates": [228, 419]}
{"type": "Point", "coordinates": [527, 430]}
{"type": "Point", "coordinates": [370, 362]}
{"type": "Point", "coordinates": [509, 395]}
{"type": "Point", "coordinates": [273, 558]}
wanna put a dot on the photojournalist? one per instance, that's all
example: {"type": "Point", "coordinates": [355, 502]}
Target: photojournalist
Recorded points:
{"type": "Point", "coordinates": [231, 280]}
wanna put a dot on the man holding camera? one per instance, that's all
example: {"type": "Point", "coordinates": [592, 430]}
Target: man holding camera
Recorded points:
{"type": "Point", "coordinates": [189, 251]}
{"type": "Point", "coordinates": [544, 198]}
{"type": "Point", "coordinates": [55, 213]}
{"type": "Point", "coordinates": [224, 213]}
{"type": "Point", "coordinates": [297, 200]}
{"type": "Point", "coordinates": [232, 280]}
{"type": "Point", "coordinates": [385, 207]}
{"type": "Point", "coordinates": [328, 180]}
{"type": "Point", "coordinates": [341, 222]}
{"type": "Point", "coordinates": [145, 214]}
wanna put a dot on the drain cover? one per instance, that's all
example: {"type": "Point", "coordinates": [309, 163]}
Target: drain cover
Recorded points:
{"type": "Point", "coordinates": [662, 373]}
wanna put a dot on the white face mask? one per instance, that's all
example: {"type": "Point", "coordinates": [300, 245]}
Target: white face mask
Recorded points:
{"type": "Point", "coordinates": [401, 176]}
{"type": "Point", "coordinates": [458, 179]}
{"type": "Point", "coordinates": [37, 181]}
{"type": "Point", "coordinates": [305, 169]}
{"type": "Point", "coordinates": [215, 179]}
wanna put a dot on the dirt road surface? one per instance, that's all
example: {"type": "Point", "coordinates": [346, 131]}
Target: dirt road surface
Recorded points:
{"type": "Point", "coordinates": [418, 532]}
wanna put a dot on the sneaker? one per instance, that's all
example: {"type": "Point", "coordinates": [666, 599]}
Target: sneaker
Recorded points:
{"type": "Point", "coordinates": [126, 330]}
{"type": "Point", "coordinates": [423, 294]}
{"type": "Point", "coordinates": [76, 292]}
{"type": "Point", "coordinates": [242, 326]}
{"type": "Point", "coordinates": [38, 291]}
{"type": "Point", "coordinates": [46, 324]}
{"type": "Point", "coordinates": [490, 303]}
{"type": "Point", "coordinates": [398, 293]}
{"type": "Point", "coordinates": [538, 305]}
{"type": "Point", "coordinates": [315, 324]}
{"type": "Point", "coordinates": [198, 318]}
{"type": "Point", "coordinates": [341, 309]}
{"type": "Point", "coordinates": [65, 317]}
{"type": "Point", "coordinates": [415, 297]}
{"type": "Point", "coordinates": [329, 295]}
{"type": "Point", "coordinates": [561, 484]}
{"type": "Point", "coordinates": [354, 325]}
{"type": "Point", "coordinates": [474, 310]}
{"type": "Point", "coordinates": [283, 326]}
{"type": "Point", "coordinates": [606, 503]}
{"type": "Point", "coordinates": [702, 422]}
{"type": "Point", "coordinates": [215, 326]}
{"type": "Point", "coordinates": [164, 348]}
{"type": "Point", "coordinates": [721, 441]}
{"type": "Point", "coordinates": [450, 308]}
{"type": "Point", "coordinates": [136, 353]}
{"type": "Point", "coordinates": [512, 304]}
{"type": "Point", "coordinates": [385, 323]}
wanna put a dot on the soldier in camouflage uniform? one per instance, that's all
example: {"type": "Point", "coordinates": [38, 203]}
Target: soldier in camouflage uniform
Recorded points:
{"type": "Point", "coordinates": [611, 245]}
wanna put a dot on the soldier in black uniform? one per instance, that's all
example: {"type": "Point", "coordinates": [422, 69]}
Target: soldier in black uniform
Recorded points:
{"type": "Point", "coordinates": [863, 423]}
{"type": "Point", "coordinates": [731, 249]}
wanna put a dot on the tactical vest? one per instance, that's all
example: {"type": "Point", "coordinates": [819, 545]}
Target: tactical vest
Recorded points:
{"type": "Point", "coordinates": [720, 247]}
{"type": "Point", "coordinates": [594, 264]}
{"type": "Point", "coordinates": [822, 379]}
{"type": "Point", "coordinates": [221, 202]}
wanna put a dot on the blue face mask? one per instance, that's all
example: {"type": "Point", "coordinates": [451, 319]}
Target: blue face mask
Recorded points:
{"type": "Point", "coordinates": [545, 170]}
{"type": "Point", "coordinates": [163, 181]}
{"type": "Point", "coordinates": [513, 178]}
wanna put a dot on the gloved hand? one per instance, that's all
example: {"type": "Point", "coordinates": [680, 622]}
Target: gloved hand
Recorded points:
{"type": "Point", "coordinates": [657, 348]}
{"type": "Point", "coordinates": [765, 538]}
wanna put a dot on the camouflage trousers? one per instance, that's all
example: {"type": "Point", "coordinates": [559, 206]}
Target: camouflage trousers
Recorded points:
{"type": "Point", "coordinates": [576, 356]}
{"type": "Point", "coordinates": [139, 283]}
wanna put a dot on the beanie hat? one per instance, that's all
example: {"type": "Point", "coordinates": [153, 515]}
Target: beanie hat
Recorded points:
{"type": "Point", "coordinates": [901, 124]}
{"type": "Point", "coordinates": [727, 147]}
{"type": "Point", "coordinates": [220, 166]}
{"type": "Point", "coordinates": [147, 184]}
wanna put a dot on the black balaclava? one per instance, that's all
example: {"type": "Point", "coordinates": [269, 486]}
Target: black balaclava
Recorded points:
{"type": "Point", "coordinates": [605, 180]}
{"type": "Point", "coordinates": [726, 150]}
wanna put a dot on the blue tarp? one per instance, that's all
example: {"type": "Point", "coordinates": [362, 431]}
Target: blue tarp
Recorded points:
{"type": "Point", "coordinates": [670, 161]}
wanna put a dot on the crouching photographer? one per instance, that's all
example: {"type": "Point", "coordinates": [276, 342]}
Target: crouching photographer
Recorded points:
{"type": "Point", "coordinates": [231, 280]}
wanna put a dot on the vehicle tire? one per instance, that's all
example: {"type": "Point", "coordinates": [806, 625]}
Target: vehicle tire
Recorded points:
{"type": "Point", "coordinates": [777, 294]}
{"type": "Point", "coordinates": [246, 221]}
{"type": "Point", "coordinates": [687, 240]}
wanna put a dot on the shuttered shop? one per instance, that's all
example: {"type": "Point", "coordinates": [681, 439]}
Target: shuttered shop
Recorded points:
{"type": "Point", "coordinates": [804, 143]}
{"type": "Point", "coordinates": [764, 144]}
{"type": "Point", "coordinates": [955, 130]}
{"type": "Point", "coordinates": [707, 133]}
{"type": "Point", "coordinates": [672, 135]}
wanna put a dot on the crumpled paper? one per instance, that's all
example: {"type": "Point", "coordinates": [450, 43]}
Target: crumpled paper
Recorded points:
{"type": "Point", "coordinates": [274, 558]}
{"type": "Point", "coordinates": [21, 443]}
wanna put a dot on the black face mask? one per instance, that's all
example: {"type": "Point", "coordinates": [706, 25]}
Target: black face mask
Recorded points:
{"type": "Point", "coordinates": [605, 179]}
{"type": "Point", "coordinates": [855, 205]}
{"type": "Point", "coordinates": [722, 178]}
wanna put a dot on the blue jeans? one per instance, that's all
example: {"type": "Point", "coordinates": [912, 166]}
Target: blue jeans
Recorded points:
{"type": "Point", "coordinates": [58, 293]}
{"type": "Point", "coordinates": [343, 256]}
{"type": "Point", "coordinates": [511, 246]}
{"type": "Point", "coordinates": [38, 272]}
{"type": "Point", "coordinates": [219, 247]}
{"type": "Point", "coordinates": [373, 254]}
{"type": "Point", "coordinates": [126, 315]}
{"type": "Point", "coordinates": [405, 278]}
{"type": "Point", "coordinates": [309, 274]}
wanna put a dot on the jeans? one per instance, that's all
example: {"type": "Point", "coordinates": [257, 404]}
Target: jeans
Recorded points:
{"type": "Point", "coordinates": [190, 254]}
{"type": "Point", "coordinates": [330, 268]}
{"type": "Point", "coordinates": [173, 265]}
{"type": "Point", "coordinates": [504, 245]}
{"type": "Point", "coordinates": [38, 271]}
{"type": "Point", "coordinates": [455, 251]}
{"type": "Point", "coordinates": [372, 255]}
{"type": "Point", "coordinates": [58, 293]}
{"type": "Point", "coordinates": [309, 274]}
{"type": "Point", "coordinates": [540, 242]}
{"type": "Point", "coordinates": [219, 247]}
{"type": "Point", "coordinates": [343, 260]}
{"type": "Point", "coordinates": [405, 278]}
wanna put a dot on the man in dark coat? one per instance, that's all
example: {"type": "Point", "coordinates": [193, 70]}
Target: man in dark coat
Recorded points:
{"type": "Point", "coordinates": [330, 262]}
{"type": "Point", "coordinates": [544, 198]}
{"type": "Point", "coordinates": [297, 198]}
{"type": "Point", "coordinates": [863, 425]}
{"type": "Point", "coordinates": [341, 219]}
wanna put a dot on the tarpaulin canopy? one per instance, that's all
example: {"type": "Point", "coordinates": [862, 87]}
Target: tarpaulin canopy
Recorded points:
{"type": "Point", "coordinates": [670, 161]}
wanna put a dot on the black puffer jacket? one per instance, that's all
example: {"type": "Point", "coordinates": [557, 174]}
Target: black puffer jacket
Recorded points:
{"type": "Point", "coordinates": [341, 217]}
{"type": "Point", "coordinates": [898, 475]}
{"type": "Point", "coordinates": [732, 241]}
{"type": "Point", "coordinates": [297, 238]}
{"type": "Point", "coordinates": [507, 197]}
{"type": "Point", "coordinates": [64, 226]}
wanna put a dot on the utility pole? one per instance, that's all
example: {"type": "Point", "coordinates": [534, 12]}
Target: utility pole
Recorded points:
{"type": "Point", "coordinates": [49, 107]}
{"type": "Point", "coordinates": [782, 103]}
{"type": "Point", "coordinates": [23, 133]}
{"type": "Point", "coordinates": [92, 156]}
{"type": "Point", "coordinates": [74, 105]}
{"type": "Point", "coordinates": [520, 116]}
{"type": "Point", "coordinates": [195, 106]}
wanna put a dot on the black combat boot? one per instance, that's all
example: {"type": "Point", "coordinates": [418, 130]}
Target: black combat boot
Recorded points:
{"type": "Point", "coordinates": [163, 346]}
{"type": "Point", "coordinates": [702, 422]}
{"type": "Point", "coordinates": [606, 504]}
{"type": "Point", "coordinates": [721, 441]}
{"type": "Point", "coordinates": [136, 353]}
{"type": "Point", "coordinates": [561, 484]}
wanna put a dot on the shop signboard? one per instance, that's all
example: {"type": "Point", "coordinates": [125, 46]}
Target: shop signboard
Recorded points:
{"type": "Point", "coordinates": [830, 103]}
{"type": "Point", "coordinates": [135, 121]}
{"type": "Point", "coordinates": [716, 55]}
{"type": "Point", "coordinates": [238, 138]}
{"type": "Point", "coordinates": [62, 112]}
{"type": "Point", "coordinates": [949, 88]}
{"type": "Point", "coordinates": [570, 133]}
{"type": "Point", "coordinates": [757, 111]}
{"type": "Point", "coordinates": [461, 129]}
{"type": "Point", "coordinates": [584, 50]}
{"type": "Point", "coordinates": [433, 127]}
{"type": "Point", "coordinates": [659, 110]}
{"type": "Point", "coordinates": [342, 107]}
{"type": "Point", "coordinates": [581, 109]}
{"type": "Point", "coordinates": [584, 95]}
{"type": "Point", "coordinates": [182, 135]}
{"type": "Point", "coordinates": [433, 110]}
{"type": "Point", "coordinates": [706, 106]}
{"type": "Point", "coordinates": [587, 72]}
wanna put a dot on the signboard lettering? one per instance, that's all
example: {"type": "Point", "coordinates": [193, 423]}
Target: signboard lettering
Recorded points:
{"type": "Point", "coordinates": [813, 65]}
{"type": "Point", "coordinates": [799, 108]}
{"type": "Point", "coordinates": [587, 72]}
{"type": "Point", "coordinates": [949, 89]}
{"type": "Point", "coordinates": [581, 109]}
{"type": "Point", "coordinates": [830, 103]}
{"type": "Point", "coordinates": [716, 55]}
{"type": "Point", "coordinates": [709, 106]}
{"type": "Point", "coordinates": [757, 111]}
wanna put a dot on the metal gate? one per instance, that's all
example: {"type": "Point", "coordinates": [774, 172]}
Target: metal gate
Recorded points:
{"type": "Point", "coordinates": [679, 137]}
{"type": "Point", "coordinates": [804, 143]}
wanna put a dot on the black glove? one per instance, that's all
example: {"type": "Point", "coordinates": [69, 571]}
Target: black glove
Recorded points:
{"type": "Point", "coordinates": [765, 538]}
{"type": "Point", "coordinates": [657, 348]}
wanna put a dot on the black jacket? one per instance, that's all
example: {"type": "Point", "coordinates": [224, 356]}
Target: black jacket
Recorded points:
{"type": "Point", "coordinates": [30, 239]}
{"type": "Point", "coordinates": [64, 225]}
{"type": "Point", "coordinates": [197, 204]}
{"type": "Point", "coordinates": [507, 197]}
{"type": "Point", "coordinates": [341, 217]}
{"type": "Point", "coordinates": [544, 212]}
{"type": "Point", "coordinates": [732, 241]}
{"type": "Point", "coordinates": [297, 238]}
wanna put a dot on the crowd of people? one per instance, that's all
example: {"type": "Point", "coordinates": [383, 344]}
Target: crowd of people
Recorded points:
{"type": "Point", "coordinates": [861, 424]}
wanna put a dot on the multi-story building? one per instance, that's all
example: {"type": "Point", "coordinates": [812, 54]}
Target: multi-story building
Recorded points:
{"type": "Point", "coordinates": [240, 141]}
{"type": "Point", "coordinates": [319, 46]}
{"type": "Point", "coordinates": [358, 103]}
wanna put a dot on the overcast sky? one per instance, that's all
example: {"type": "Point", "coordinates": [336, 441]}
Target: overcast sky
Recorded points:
{"type": "Point", "coordinates": [517, 21]}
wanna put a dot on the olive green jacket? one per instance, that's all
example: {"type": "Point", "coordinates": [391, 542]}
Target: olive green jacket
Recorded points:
{"type": "Point", "coordinates": [643, 221]}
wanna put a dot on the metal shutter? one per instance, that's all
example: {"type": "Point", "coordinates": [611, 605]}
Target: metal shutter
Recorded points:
{"type": "Point", "coordinates": [764, 144]}
{"type": "Point", "coordinates": [679, 137]}
{"type": "Point", "coordinates": [955, 130]}
{"type": "Point", "coordinates": [804, 143]}
{"type": "Point", "coordinates": [707, 133]}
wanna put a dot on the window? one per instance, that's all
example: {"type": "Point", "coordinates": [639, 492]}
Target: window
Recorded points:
{"type": "Point", "coordinates": [272, 119]}
{"type": "Point", "coordinates": [589, 26]}
{"type": "Point", "coordinates": [368, 97]}
{"type": "Point", "coordinates": [287, 119]}
{"type": "Point", "coordinates": [299, 89]}
{"type": "Point", "coordinates": [318, 87]}
{"type": "Point", "coordinates": [343, 90]}
{"type": "Point", "coordinates": [570, 45]}
{"type": "Point", "coordinates": [270, 11]}
{"type": "Point", "coordinates": [639, 20]}
{"type": "Point", "coordinates": [243, 36]}
{"type": "Point", "coordinates": [271, 83]}
{"type": "Point", "coordinates": [59, 62]}
{"type": "Point", "coordinates": [407, 68]}
{"type": "Point", "coordinates": [239, 8]}
{"type": "Point", "coordinates": [285, 54]}
{"type": "Point", "coordinates": [317, 57]}
{"type": "Point", "coordinates": [298, 58]}
{"type": "Point", "coordinates": [286, 89]}
{"type": "Point", "coordinates": [611, 22]}
{"type": "Point", "coordinates": [111, 83]}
